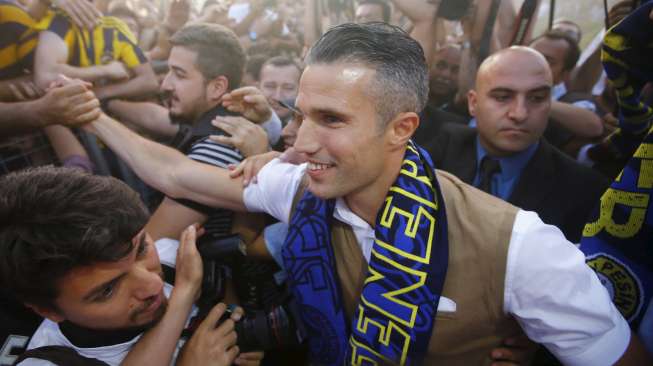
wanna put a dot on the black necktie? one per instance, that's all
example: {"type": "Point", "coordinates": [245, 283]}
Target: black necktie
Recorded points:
{"type": "Point", "coordinates": [489, 167]}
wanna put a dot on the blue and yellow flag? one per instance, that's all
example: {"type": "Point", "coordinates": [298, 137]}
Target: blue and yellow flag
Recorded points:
{"type": "Point", "coordinates": [618, 240]}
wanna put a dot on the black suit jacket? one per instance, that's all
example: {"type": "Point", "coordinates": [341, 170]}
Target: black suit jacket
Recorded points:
{"type": "Point", "coordinates": [559, 189]}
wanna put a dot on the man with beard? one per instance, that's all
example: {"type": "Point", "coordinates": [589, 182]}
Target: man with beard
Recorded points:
{"type": "Point", "coordinates": [206, 64]}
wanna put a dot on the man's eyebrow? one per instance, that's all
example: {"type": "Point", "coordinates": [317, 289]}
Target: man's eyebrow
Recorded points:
{"type": "Point", "coordinates": [98, 289]}
{"type": "Point", "coordinates": [502, 89]}
{"type": "Point", "coordinates": [178, 69]}
{"type": "Point", "coordinates": [543, 88]}
{"type": "Point", "coordinates": [327, 110]}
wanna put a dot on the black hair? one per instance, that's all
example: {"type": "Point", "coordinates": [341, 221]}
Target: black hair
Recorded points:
{"type": "Point", "coordinates": [573, 50]}
{"type": "Point", "coordinates": [401, 82]}
{"type": "Point", "coordinates": [53, 220]}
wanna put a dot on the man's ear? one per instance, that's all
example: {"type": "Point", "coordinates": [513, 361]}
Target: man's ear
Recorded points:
{"type": "Point", "coordinates": [216, 88]}
{"type": "Point", "coordinates": [472, 102]}
{"type": "Point", "coordinates": [46, 312]}
{"type": "Point", "coordinates": [402, 128]}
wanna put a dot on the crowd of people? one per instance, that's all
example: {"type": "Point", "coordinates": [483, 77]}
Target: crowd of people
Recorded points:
{"type": "Point", "coordinates": [276, 182]}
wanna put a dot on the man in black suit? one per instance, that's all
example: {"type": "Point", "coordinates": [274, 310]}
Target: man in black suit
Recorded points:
{"type": "Point", "coordinates": [506, 155]}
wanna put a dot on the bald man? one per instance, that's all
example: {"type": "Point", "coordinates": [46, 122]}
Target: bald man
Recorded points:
{"type": "Point", "coordinates": [443, 75]}
{"type": "Point", "coordinates": [443, 86]}
{"type": "Point", "coordinates": [506, 155]}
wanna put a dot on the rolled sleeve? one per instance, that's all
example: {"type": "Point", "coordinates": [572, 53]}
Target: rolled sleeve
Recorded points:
{"type": "Point", "coordinates": [557, 299]}
{"type": "Point", "coordinates": [275, 189]}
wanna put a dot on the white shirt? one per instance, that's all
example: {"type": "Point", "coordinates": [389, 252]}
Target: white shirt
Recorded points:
{"type": "Point", "coordinates": [556, 298]}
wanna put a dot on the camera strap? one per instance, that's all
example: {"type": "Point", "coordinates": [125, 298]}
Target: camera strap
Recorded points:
{"type": "Point", "coordinates": [486, 40]}
{"type": "Point", "coordinates": [59, 355]}
{"type": "Point", "coordinates": [524, 20]}
{"type": "Point", "coordinates": [552, 13]}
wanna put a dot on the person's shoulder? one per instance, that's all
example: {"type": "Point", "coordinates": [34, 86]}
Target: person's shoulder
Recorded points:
{"type": "Point", "coordinates": [568, 169]}
{"type": "Point", "coordinates": [13, 13]}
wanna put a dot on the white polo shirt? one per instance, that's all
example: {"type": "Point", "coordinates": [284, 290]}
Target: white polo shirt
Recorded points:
{"type": "Point", "coordinates": [556, 298]}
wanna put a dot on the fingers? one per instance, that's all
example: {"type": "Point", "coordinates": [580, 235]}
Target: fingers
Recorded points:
{"type": "Point", "coordinates": [224, 140]}
{"type": "Point", "coordinates": [77, 99]}
{"type": "Point", "coordinates": [244, 91]}
{"type": "Point", "coordinates": [249, 359]}
{"type": "Point", "coordinates": [71, 90]}
{"type": "Point", "coordinates": [187, 245]}
{"type": "Point", "coordinates": [88, 117]}
{"type": "Point", "coordinates": [249, 173]}
{"type": "Point", "coordinates": [89, 13]}
{"type": "Point", "coordinates": [74, 13]}
{"type": "Point", "coordinates": [517, 342]}
{"type": "Point", "coordinates": [293, 156]}
{"type": "Point", "coordinates": [256, 99]}
{"type": "Point", "coordinates": [17, 93]}
{"type": "Point", "coordinates": [75, 111]}
{"type": "Point", "coordinates": [237, 314]}
{"type": "Point", "coordinates": [225, 328]}
{"type": "Point", "coordinates": [232, 353]}
{"type": "Point", "coordinates": [503, 354]}
{"type": "Point", "coordinates": [237, 170]}
{"type": "Point", "coordinates": [25, 91]}
{"type": "Point", "coordinates": [212, 319]}
{"type": "Point", "coordinates": [230, 125]}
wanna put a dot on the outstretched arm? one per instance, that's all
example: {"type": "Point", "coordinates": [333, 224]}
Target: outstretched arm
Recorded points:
{"type": "Point", "coordinates": [73, 104]}
{"type": "Point", "coordinates": [143, 84]}
{"type": "Point", "coordinates": [51, 61]}
{"type": "Point", "coordinates": [168, 170]}
{"type": "Point", "coordinates": [580, 121]}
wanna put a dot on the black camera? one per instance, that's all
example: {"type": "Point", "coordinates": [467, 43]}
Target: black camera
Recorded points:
{"type": "Point", "coordinates": [453, 9]}
{"type": "Point", "coordinates": [273, 327]}
{"type": "Point", "coordinates": [263, 331]}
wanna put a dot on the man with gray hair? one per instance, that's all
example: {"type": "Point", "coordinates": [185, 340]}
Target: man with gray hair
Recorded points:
{"type": "Point", "coordinates": [389, 261]}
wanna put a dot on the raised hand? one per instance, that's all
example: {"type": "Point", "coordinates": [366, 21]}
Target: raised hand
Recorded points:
{"type": "Point", "coordinates": [250, 102]}
{"type": "Point", "coordinates": [249, 138]}
{"type": "Point", "coordinates": [83, 13]}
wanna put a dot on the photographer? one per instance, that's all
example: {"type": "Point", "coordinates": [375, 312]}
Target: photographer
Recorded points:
{"type": "Point", "coordinates": [61, 226]}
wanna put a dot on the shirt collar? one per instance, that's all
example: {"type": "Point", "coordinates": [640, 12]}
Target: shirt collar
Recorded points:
{"type": "Point", "coordinates": [511, 166]}
{"type": "Point", "coordinates": [343, 213]}
{"type": "Point", "coordinates": [558, 91]}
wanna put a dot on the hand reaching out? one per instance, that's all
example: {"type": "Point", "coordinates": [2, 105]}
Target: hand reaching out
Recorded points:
{"type": "Point", "coordinates": [83, 13]}
{"type": "Point", "coordinates": [250, 102]}
{"type": "Point", "coordinates": [211, 345]}
{"type": "Point", "coordinates": [249, 138]}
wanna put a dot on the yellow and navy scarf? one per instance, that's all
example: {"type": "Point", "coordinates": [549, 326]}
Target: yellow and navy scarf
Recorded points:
{"type": "Point", "coordinates": [618, 239]}
{"type": "Point", "coordinates": [395, 316]}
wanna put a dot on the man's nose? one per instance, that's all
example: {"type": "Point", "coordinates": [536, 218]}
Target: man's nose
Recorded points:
{"type": "Point", "coordinates": [166, 85]}
{"type": "Point", "coordinates": [146, 283]}
{"type": "Point", "coordinates": [306, 141]}
{"type": "Point", "coordinates": [518, 109]}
